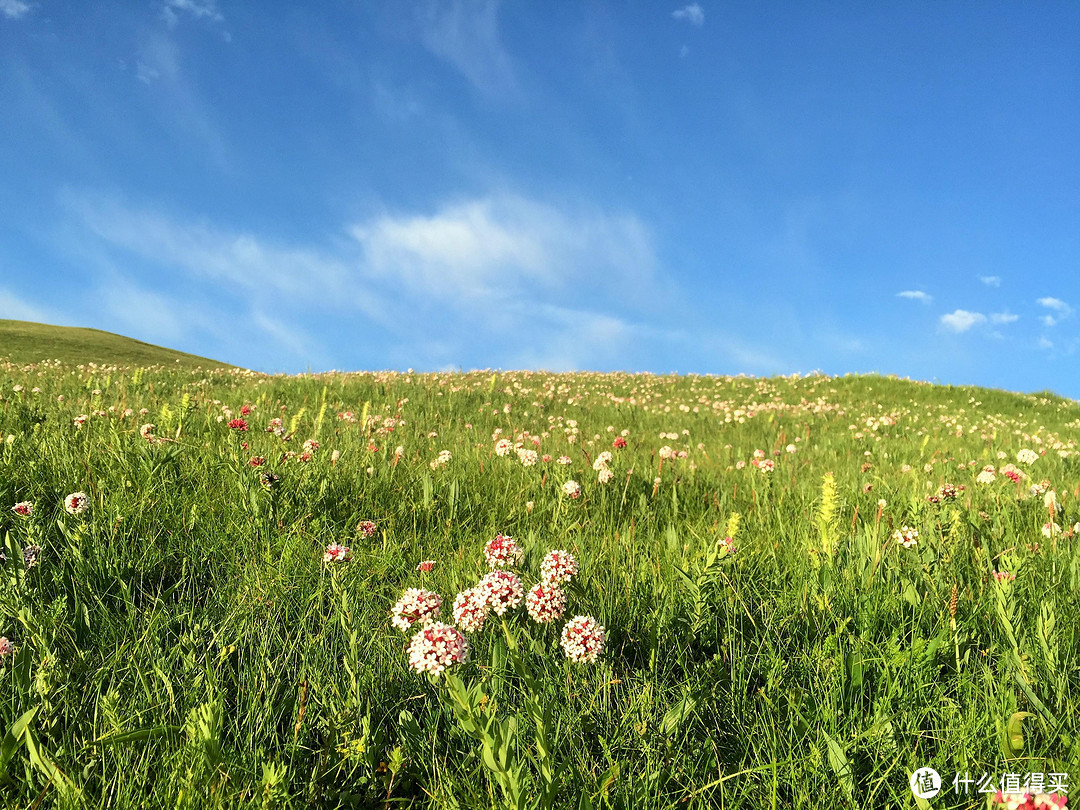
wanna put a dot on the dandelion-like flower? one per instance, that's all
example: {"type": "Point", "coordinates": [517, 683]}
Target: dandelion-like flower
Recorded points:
{"type": "Point", "coordinates": [503, 590]}
{"type": "Point", "coordinates": [546, 602]}
{"type": "Point", "coordinates": [23, 508]}
{"type": "Point", "coordinates": [471, 609]}
{"type": "Point", "coordinates": [436, 647]}
{"type": "Point", "coordinates": [415, 605]}
{"type": "Point", "coordinates": [906, 536]}
{"type": "Point", "coordinates": [558, 566]}
{"type": "Point", "coordinates": [503, 552]}
{"type": "Point", "coordinates": [335, 552]}
{"type": "Point", "coordinates": [583, 639]}
{"type": "Point", "coordinates": [571, 489]}
{"type": "Point", "coordinates": [77, 503]}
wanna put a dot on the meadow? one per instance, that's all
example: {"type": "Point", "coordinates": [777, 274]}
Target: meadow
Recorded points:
{"type": "Point", "coordinates": [797, 591]}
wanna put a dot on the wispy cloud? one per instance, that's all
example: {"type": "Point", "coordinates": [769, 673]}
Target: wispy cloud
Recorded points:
{"type": "Point", "coordinates": [508, 246]}
{"type": "Point", "coordinates": [14, 9]}
{"type": "Point", "coordinates": [466, 34]}
{"type": "Point", "coordinates": [1061, 309]}
{"type": "Point", "coordinates": [961, 320]}
{"type": "Point", "coordinates": [916, 295]}
{"type": "Point", "coordinates": [197, 9]}
{"type": "Point", "coordinates": [1003, 318]}
{"type": "Point", "coordinates": [693, 14]}
{"type": "Point", "coordinates": [990, 281]}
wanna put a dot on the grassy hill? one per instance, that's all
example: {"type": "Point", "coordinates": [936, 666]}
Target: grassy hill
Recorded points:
{"type": "Point", "coordinates": [26, 342]}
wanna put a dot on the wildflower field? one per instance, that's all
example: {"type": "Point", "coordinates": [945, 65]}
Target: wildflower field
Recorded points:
{"type": "Point", "coordinates": [224, 589]}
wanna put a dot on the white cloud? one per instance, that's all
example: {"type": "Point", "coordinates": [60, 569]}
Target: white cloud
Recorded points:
{"type": "Point", "coordinates": [990, 281]}
{"type": "Point", "coordinates": [508, 246]}
{"type": "Point", "coordinates": [466, 34]}
{"type": "Point", "coordinates": [1003, 318]}
{"type": "Point", "coordinates": [150, 315]}
{"type": "Point", "coordinates": [693, 14]}
{"type": "Point", "coordinates": [14, 308]}
{"type": "Point", "coordinates": [1045, 343]}
{"type": "Point", "coordinates": [916, 295]}
{"type": "Point", "coordinates": [961, 320]}
{"type": "Point", "coordinates": [198, 9]}
{"type": "Point", "coordinates": [1055, 304]}
{"type": "Point", "coordinates": [14, 9]}
{"type": "Point", "coordinates": [684, 51]}
{"type": "Point", "coordinates": [1062, 309]}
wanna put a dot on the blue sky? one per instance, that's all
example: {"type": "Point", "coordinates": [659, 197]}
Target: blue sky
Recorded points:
{"type": "Point", "coordinates": [715, 187]}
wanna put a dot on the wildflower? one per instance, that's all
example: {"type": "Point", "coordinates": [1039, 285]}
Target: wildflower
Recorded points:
{"type": "Point", "coordinates": [726, 545]}
{"type": "Point", "coordinates": [619, 442]}
{"type": "Point", "coordinates": [1004, 576]}
{"type": "Point", "coordinates": [740, 464]}
{"type": "Point", "coordinates": [6, 648]}
{"type": "Point", "coordinates": [503, 552]}
{"type": "Point", "coordinates": [415, 605]}
{"type": "Point", "coordinates": [605, 475]}
{"type": "Point", "coordinates": [572, 489]}
{"type": "Point", "coordinates": [583, 639]}
{"type": "Point", "coordinates": [503, 447]}
{"type": "Point", "coordinates": [546, 602]}
{"type": "Point", "coordinates": [546, 458]}
{"type": "Point", "coordinates": [366, 528]}
{"type": "Point", "coordinates": [765, 465]}
{"type": "Point", "coordinates": [269, 480]}
{"type": "Point", "coordinates": [666, 452]}
{"type": "Point", "coordinates": [256, 461]}
{"type": "Point", "coordinates": [1027, 456]}
{"type": "Point", "coordinates": [527, 457]}
{"type": "Point", "coordinates": [987, 475]}
{"type": "Point", "coordinates": [334, 458]}
{"type": "Point", "coordinates": [906, 536]}
{"type": "Point", "coordinates": [31, 556]}
{"type": "Point", "coordinates": [564, 460]}
{"type": "Point", "coordinates": [1040, 488]}
{"type": "Point", "coordinates": [471, 609]}
{"type": "Point", "coordinates": [76, 503]}
{"type": "Point", "coordinates": [399, 451]}
{"type": "Point", "coordinates": [1011, 472]}
{"type": "Point", "coordinates": [558, 566]}
{"type": "Point", "coordinates": [238, 424]}
{"type": "Point", "coordinates": [790, 448]}
{"type": "Point", "coordinates": [245, 410]}
{"type": "Point", "coordinates": [503, 591]}
{"type": "Point", "coordinates": [310, 446]}
{"type": "Point", "coordinates": [425, 565]}
{"type": "Point", "coordinates": [759, 454]}
{"type": "Point", "coordinates": [23, 508]}
{"type": "Point", "coordinates": [147, 431]}
{"type": "Point", "coordinates": [436, 647]}
{"type": "Point", "coordinates": [335, 552]}
{"type": "Point", "coordinates": [1051, 529]}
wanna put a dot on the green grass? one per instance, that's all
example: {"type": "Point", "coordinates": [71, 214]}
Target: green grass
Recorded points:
{"type": "Point", "coordinates": [182, 644]}
{"type": "Point", "coordinates": [25, 342]}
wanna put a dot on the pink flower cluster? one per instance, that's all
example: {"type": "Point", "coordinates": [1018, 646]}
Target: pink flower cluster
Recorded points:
{"type": "Point", "coordinates": [415, 605]}
{"type": "Point", "coordinates": [335, 552]}
{"type": "Point", "coordinates": [1030, 801]}
{"type": "Point", "coordinates": [546, 602]}
{"type": "Point", "coordinates": [502, 590]}
{"type": "Point", "coordinates": [583, 639]}
{"type": "Point", "coordinates": [503, 552]}
{"type": "Point", "coordinates": [77, 503]}
{"type": "Point", "coordinates": [436, 647]}
{"type": "Point", "coordinates": [558, 566]}
{"type": "Point", "coordinates": [23, 508]}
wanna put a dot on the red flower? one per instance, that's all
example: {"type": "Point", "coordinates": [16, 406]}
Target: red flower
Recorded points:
{"type": "Point", "coordinates": [257, 461]}
{"type": "Point", "coordinates": [245, 410]}
{"type": "Point", "coordinates": [238, 424]}
{"type": "Point", "coordinates": [619, 442]}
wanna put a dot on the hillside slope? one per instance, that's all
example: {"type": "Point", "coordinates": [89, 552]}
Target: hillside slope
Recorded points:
{"type": "Point", "coordinates": [27, 342]}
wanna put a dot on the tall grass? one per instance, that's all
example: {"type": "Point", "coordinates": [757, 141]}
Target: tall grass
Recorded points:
{"type": "Point", "coordinates": [182, 643]}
